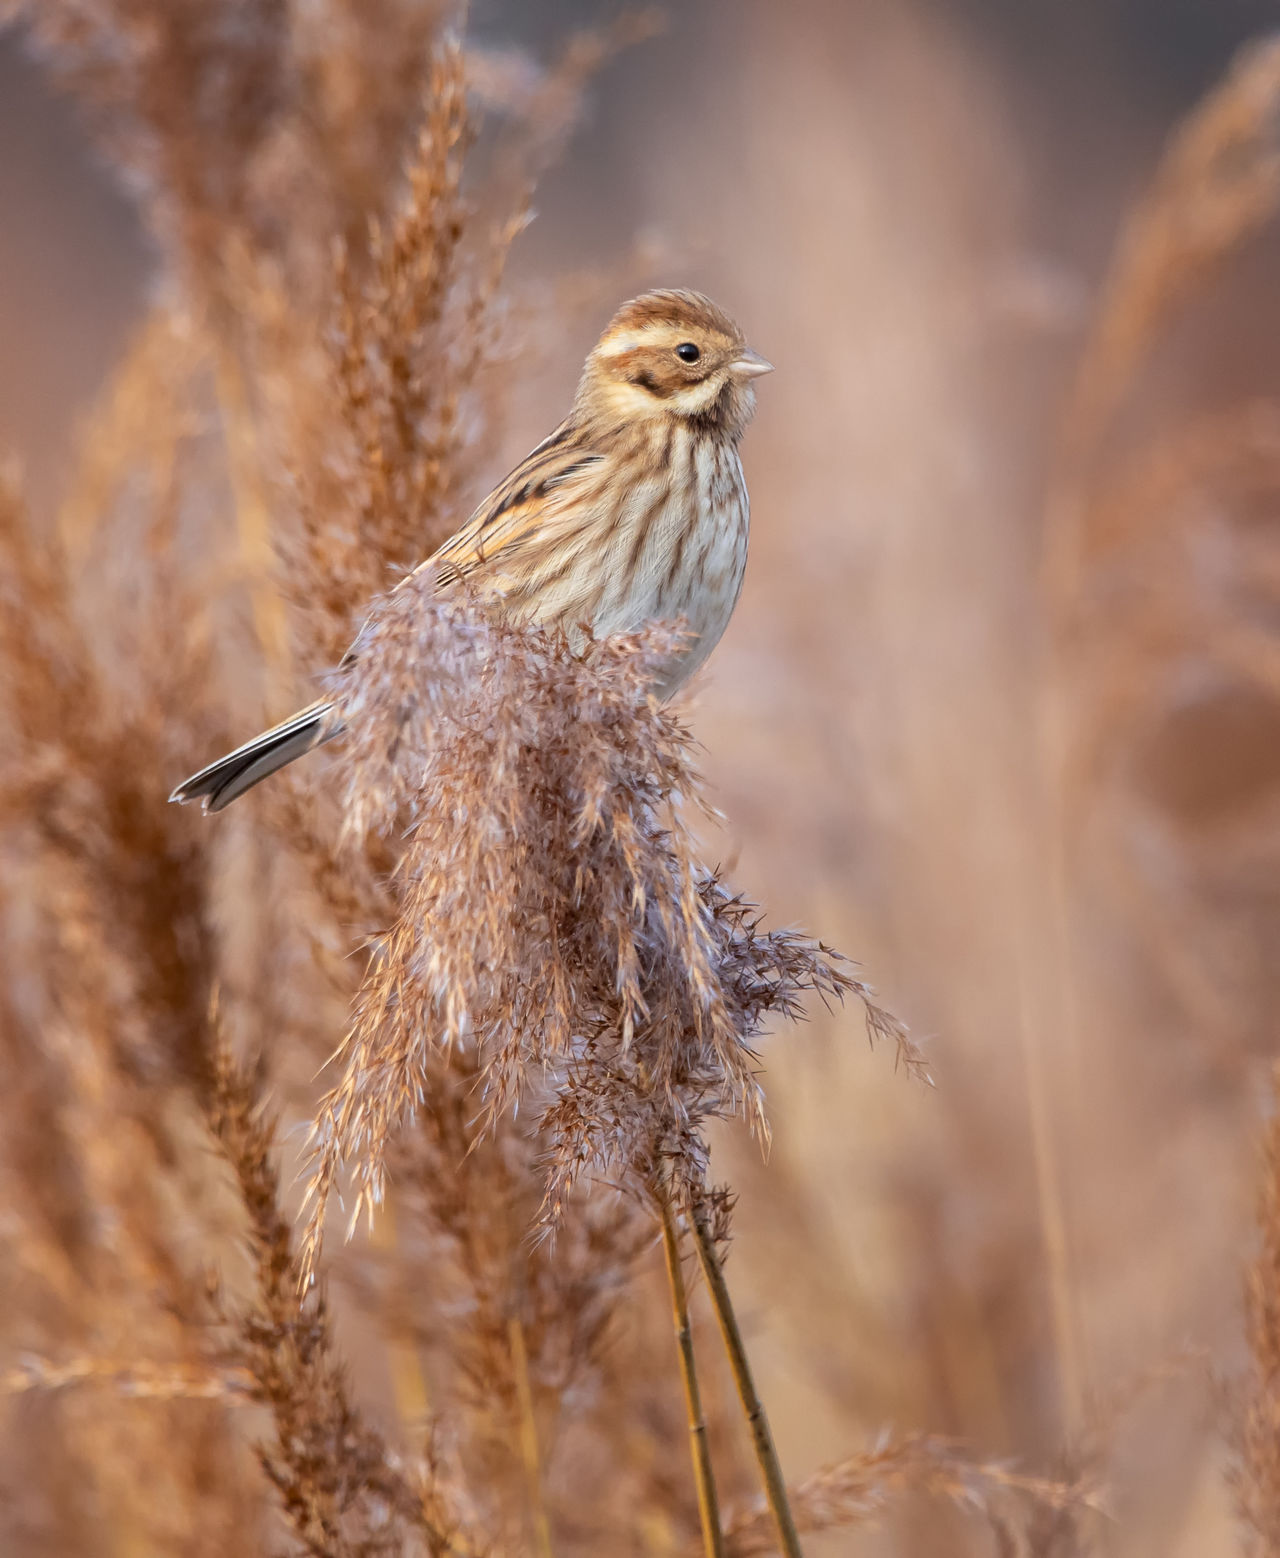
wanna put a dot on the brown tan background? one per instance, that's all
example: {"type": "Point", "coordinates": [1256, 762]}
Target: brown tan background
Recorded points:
{"type": "Point", "coordinates": [912, 209]}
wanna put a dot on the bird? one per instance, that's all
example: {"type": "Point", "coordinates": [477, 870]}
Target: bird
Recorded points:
{"type": "Point", "coordinates": [633, 510]}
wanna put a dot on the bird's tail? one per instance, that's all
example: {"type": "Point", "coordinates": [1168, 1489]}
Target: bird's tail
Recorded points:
{"type": "Point", "coordinates": [221, 783]}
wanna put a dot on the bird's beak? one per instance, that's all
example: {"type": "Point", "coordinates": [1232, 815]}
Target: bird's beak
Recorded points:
{"type": "Point", "coordinates": [749, 365]}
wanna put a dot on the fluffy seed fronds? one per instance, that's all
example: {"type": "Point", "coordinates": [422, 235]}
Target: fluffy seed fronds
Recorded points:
{"type": "Point", "coordinates": [341, 1491]}
{"type": "Point", "coordinates": [863, 1486]}
{"type": "Point", "coordinates": [553, 917]}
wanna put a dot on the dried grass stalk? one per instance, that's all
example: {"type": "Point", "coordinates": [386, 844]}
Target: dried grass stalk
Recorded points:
{"type": "Point", "coordinates": [1217, 184]}
{"type": "Point", "coordinates": [1133, 613]}
{"type": "Point", "coordinates": [703, 1473]}
{"type": "Point", "coordinates": [775, 1485]}
{"type": "Point", "coordinates": [341, 1491]}
{"type": "Point", "coordinates": [1255, 1474]}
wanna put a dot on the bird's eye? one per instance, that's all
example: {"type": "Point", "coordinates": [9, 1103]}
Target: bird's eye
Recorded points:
{"type": "Point", "coordinates": [687, 352]}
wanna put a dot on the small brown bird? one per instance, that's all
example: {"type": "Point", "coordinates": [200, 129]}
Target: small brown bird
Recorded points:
{"type": "Point", "coordinates": [633, 510]}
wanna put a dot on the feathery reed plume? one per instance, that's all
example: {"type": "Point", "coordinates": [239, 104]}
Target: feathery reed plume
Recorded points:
{"type": "Point", "coordinates": [340, 1489]}
{"type": "Point", "coordinates": [554, 926]}
{"type": "Point", "coordinates": [108, 1034]}
{"type": "Point", "coordinates": [1217, 184]}
{"type": "Point", "coordinates": [1134, 617]}
{"type": "Point", "coordinates": [863, 1486]}
{"type": "Point", "coordinates": [553, 918]}
{"type": "Point", "coordinates": [1149, 644]}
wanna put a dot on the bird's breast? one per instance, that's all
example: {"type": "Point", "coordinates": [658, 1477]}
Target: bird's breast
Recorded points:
{"type": "Point", "coordinates": [656, 530]}
{"type": "Point", "coordinates": [679, 549]}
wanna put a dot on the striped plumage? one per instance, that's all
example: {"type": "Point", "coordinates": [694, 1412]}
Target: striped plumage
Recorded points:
{"type": "Point", "coordinates": [633, 510]}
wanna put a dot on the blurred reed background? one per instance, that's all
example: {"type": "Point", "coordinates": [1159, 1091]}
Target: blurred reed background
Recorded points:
{"type": "Point", "coordinates": [999, 715]}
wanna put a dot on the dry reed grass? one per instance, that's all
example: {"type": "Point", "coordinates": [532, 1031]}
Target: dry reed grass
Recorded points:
{"type": "Point", "coordinates": [554, 997]}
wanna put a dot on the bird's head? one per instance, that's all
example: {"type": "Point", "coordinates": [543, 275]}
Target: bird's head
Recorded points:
{"type": "Point", "coordinates": [668, 354]}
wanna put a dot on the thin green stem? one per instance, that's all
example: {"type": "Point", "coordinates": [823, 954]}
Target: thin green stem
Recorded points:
{"type": "Point", "coordinates": [708, 1504]}
{"type": "Point", "coordinates": [775, 1487]}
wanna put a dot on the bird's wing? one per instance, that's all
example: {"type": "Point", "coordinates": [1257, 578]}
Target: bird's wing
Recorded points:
{"type": "Point", "coordinates": [549, 478]}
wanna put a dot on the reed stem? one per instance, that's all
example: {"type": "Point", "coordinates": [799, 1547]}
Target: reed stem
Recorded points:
{"type": "Point", "coordinates": [704, 1476]}
{"type": "Point", "coordinates": [775, 1487]}
{"type": "Point", "coordinates": [529, 1453]}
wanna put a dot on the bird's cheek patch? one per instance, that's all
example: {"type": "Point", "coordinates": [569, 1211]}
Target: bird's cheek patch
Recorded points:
{"type": "Point", "coordinates": [628, 399]}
